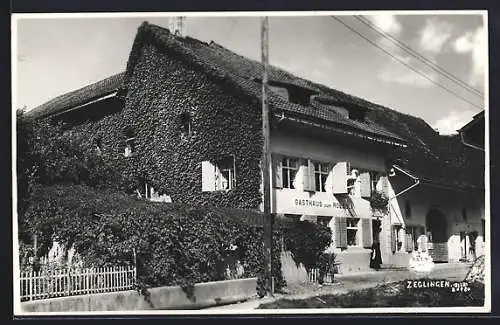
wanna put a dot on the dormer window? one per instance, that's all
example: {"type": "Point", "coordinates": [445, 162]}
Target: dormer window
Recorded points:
{"type": "Point", "coordinates": [357, 115]}
{"type": "Point", "coordinates": [129, 142]}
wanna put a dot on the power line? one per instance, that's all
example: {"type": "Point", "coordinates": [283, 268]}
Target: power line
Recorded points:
{"type": "Point", "coordinates": [420, 57]}
{"type": "Point", "coordinates": [406, 64]}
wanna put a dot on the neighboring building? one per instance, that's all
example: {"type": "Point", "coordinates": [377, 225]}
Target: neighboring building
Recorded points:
{"type": "Point", "coordinates": [184, 120]}
{"type": "Point", "coordinates": [472, 134]}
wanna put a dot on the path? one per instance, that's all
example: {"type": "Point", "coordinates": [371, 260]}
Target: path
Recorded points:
{"type": "Point", "coordinates": [349, 282]}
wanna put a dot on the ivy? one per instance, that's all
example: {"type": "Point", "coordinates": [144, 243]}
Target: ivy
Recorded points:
{"type": "Point", "coordinates": [174, 244]}
{"type": "Point", "coordinates": [379, 202]}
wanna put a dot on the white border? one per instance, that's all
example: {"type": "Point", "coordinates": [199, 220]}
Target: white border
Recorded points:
{"type": "Point", "coordinates": [17, 307]}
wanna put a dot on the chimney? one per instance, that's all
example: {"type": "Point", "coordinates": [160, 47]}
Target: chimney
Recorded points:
{"type": "Point", "coordinates": [177, 26]}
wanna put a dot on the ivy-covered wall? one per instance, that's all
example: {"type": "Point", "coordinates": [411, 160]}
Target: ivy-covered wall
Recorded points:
{"type": "Point", "coordinates": [161, 87]}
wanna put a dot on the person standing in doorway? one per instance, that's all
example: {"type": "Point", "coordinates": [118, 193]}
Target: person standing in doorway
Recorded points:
{"type": "Point", "coordinates": [376, 257]}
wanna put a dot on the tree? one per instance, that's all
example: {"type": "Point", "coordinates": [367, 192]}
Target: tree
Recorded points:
{"type": "Point", "coordinates": [46, 155]}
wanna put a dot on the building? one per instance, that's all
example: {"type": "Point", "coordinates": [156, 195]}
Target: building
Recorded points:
{"type": "Point", "coordinates": [184, 121]}
{"type": "Point", "coordinates": [472, 133]}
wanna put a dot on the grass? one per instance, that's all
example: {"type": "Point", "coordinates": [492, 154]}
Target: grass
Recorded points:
{"type": "Point", "coordinates": [395, 294]}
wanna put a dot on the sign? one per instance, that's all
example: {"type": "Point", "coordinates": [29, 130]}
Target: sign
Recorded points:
{"type": "Point", "coordinates": [288, 201]}
{"type": "Point", "coordinates": [314, 203]}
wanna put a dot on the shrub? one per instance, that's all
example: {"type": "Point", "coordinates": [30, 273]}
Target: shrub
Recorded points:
{"type": "Point", "coordinates": [379, 201]}
{"type": "Point", "coordinates": [173, 244]}
{"type": "Point", "coordinates": [326, 265]}
{"type": "Point", "coordinates": [307, 241]}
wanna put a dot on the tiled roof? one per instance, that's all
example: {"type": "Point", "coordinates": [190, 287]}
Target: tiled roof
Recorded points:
{"type": "Point", "coordinates": [79, 96]}
{"type": "Point", "coordinates": [429, 155]}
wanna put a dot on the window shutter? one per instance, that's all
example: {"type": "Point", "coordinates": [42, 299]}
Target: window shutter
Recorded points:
{"type": "Point", "coordinates": [341, 232]}
{"type": "Point", "coordinates": [409, 241]}
{"type": "Point", "coordinates": [308, 176]}
{"type": "Point", "coordinates": [393, 239]}
{"type": "Point", "coordinates": [278, 172]}
{"type": "Point", "coordinates": [207, 176]}
{"type": "Point", "coordinates": [385, 185]}
{"type": "Point", "coordinates": [365, 183]}
{"type": "Point", "coordinates": [366, 228]}
{"type": "Point", "coordinates": [339, 179]}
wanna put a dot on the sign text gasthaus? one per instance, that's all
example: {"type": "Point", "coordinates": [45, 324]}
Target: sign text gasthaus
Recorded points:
{"type": "Point", "coordinates": [316, 203]}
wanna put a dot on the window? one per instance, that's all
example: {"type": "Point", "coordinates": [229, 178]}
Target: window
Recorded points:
{"type": "Point", "coordinates": [352, 231]}
{"type": "Point", "coordinates": [144, 190]}
{"type": "Point", "coordinates": [412, 234]}
{"type": "Point", "coordinates": [464, 214]}
{"type": "Point", "coordinates": [98, 145]}
{"type": "Point", "coordinates": [218, 176]}
{"type": "Point", "coordinates": [225, 178]}
{"type": "Point", "coordinates": [408, 209]}
{"type": "Point", "coordinates": [129, 142]}
{"type": "Point", "coordinates": [321, 172]}
{"type": "Point", "coordinates": [186, 124]}
{"type": "Point", "coordinates": [397, 242]}
{"type": "Point", "coordinates": [289, 171]}
{"type": "Point", "coordinates": [357, 115]}
{"type": "Point", "coordinates": [374, 178]}
{"type": "Point", "coordinates": [352, 178]}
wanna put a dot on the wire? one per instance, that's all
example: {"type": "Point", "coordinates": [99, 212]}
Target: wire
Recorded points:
{"type": "Point", "coordinates": [406, 64]}
{"type": "Point", "coordinates": [420, 57]}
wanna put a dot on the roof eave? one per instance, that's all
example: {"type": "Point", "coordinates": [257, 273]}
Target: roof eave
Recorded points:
{"type": "Point", "coordinates": [341, 129]}
{"type": "Point", "coordinates": [105, 96]}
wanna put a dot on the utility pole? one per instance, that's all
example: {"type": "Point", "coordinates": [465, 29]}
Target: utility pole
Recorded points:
{"type": "Point", "coordinates": [266, 158]}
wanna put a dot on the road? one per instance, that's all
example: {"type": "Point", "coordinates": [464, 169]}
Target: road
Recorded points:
{"type": "Point", "coordinates": [356, 281]}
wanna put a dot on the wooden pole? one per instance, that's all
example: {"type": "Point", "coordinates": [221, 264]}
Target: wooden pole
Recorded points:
{"type": "Point", "coordinates": [266, 157]}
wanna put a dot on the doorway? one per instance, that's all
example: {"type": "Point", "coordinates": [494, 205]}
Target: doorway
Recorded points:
{"type": "Point", "coordinates": [437, 233]}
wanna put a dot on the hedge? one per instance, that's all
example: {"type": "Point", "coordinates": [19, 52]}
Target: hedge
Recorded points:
{"type": "Point", "coordinates": [307, 241]}
{"type": "Point", "coordinates": [174, 244]}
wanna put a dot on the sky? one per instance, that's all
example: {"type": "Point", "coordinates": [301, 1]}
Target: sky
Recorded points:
{"type": "Point", "coordinates": [58, 55]}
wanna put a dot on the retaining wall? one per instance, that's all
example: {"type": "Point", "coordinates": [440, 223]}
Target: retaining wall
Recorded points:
{"type": "Point", "coordinates": [204, 295]}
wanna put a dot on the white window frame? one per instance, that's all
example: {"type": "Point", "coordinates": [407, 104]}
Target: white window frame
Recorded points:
{"type": "Point", "coordinates": [323, 175]}
{"type": "Point", "coordinates": [288, 169]}
{"type": "Point", "coordinates": [357, 228]}
{"type": "Point", "coordinates": [413, 230]}
{"type": "Point", "coordinates": [231, 172]}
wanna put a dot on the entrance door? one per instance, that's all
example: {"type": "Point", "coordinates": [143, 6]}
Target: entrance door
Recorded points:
{"type": "Point", "coordinates": [437, 235]}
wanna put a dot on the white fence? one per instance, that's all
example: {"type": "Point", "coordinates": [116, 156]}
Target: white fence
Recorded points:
{"type": "Point", "coordinates": [313, 276]}
{"type": "Point", "coordinates": [75, 281]}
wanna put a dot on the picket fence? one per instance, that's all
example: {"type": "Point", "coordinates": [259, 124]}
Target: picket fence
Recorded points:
{"type": "Point", "coordinates": [313, 276]}
{"type": "Point", "coordinates": [51, 283]}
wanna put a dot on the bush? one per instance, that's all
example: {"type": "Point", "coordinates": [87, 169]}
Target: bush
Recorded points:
{"type": "Point", "coordinates": [326, 265]}
{"type": "Point", "coordinates": [307, 241]}
{"type": "Point", "coordinates": [173, 244]}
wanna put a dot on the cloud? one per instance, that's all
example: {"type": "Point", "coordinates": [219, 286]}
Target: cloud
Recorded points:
{"type": "Point", "coordinates": [474, 43]}
{"type": "Point", "coordinates": [318, 70]}
{"type": "Point", "coordinates": [434, 35]}
{"type": "Point", "coordinates": [454, 121]}
{"type": "Point", "coordinates": [387, 22]}
{"type": "Point", "coordinates": [402, 75]}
